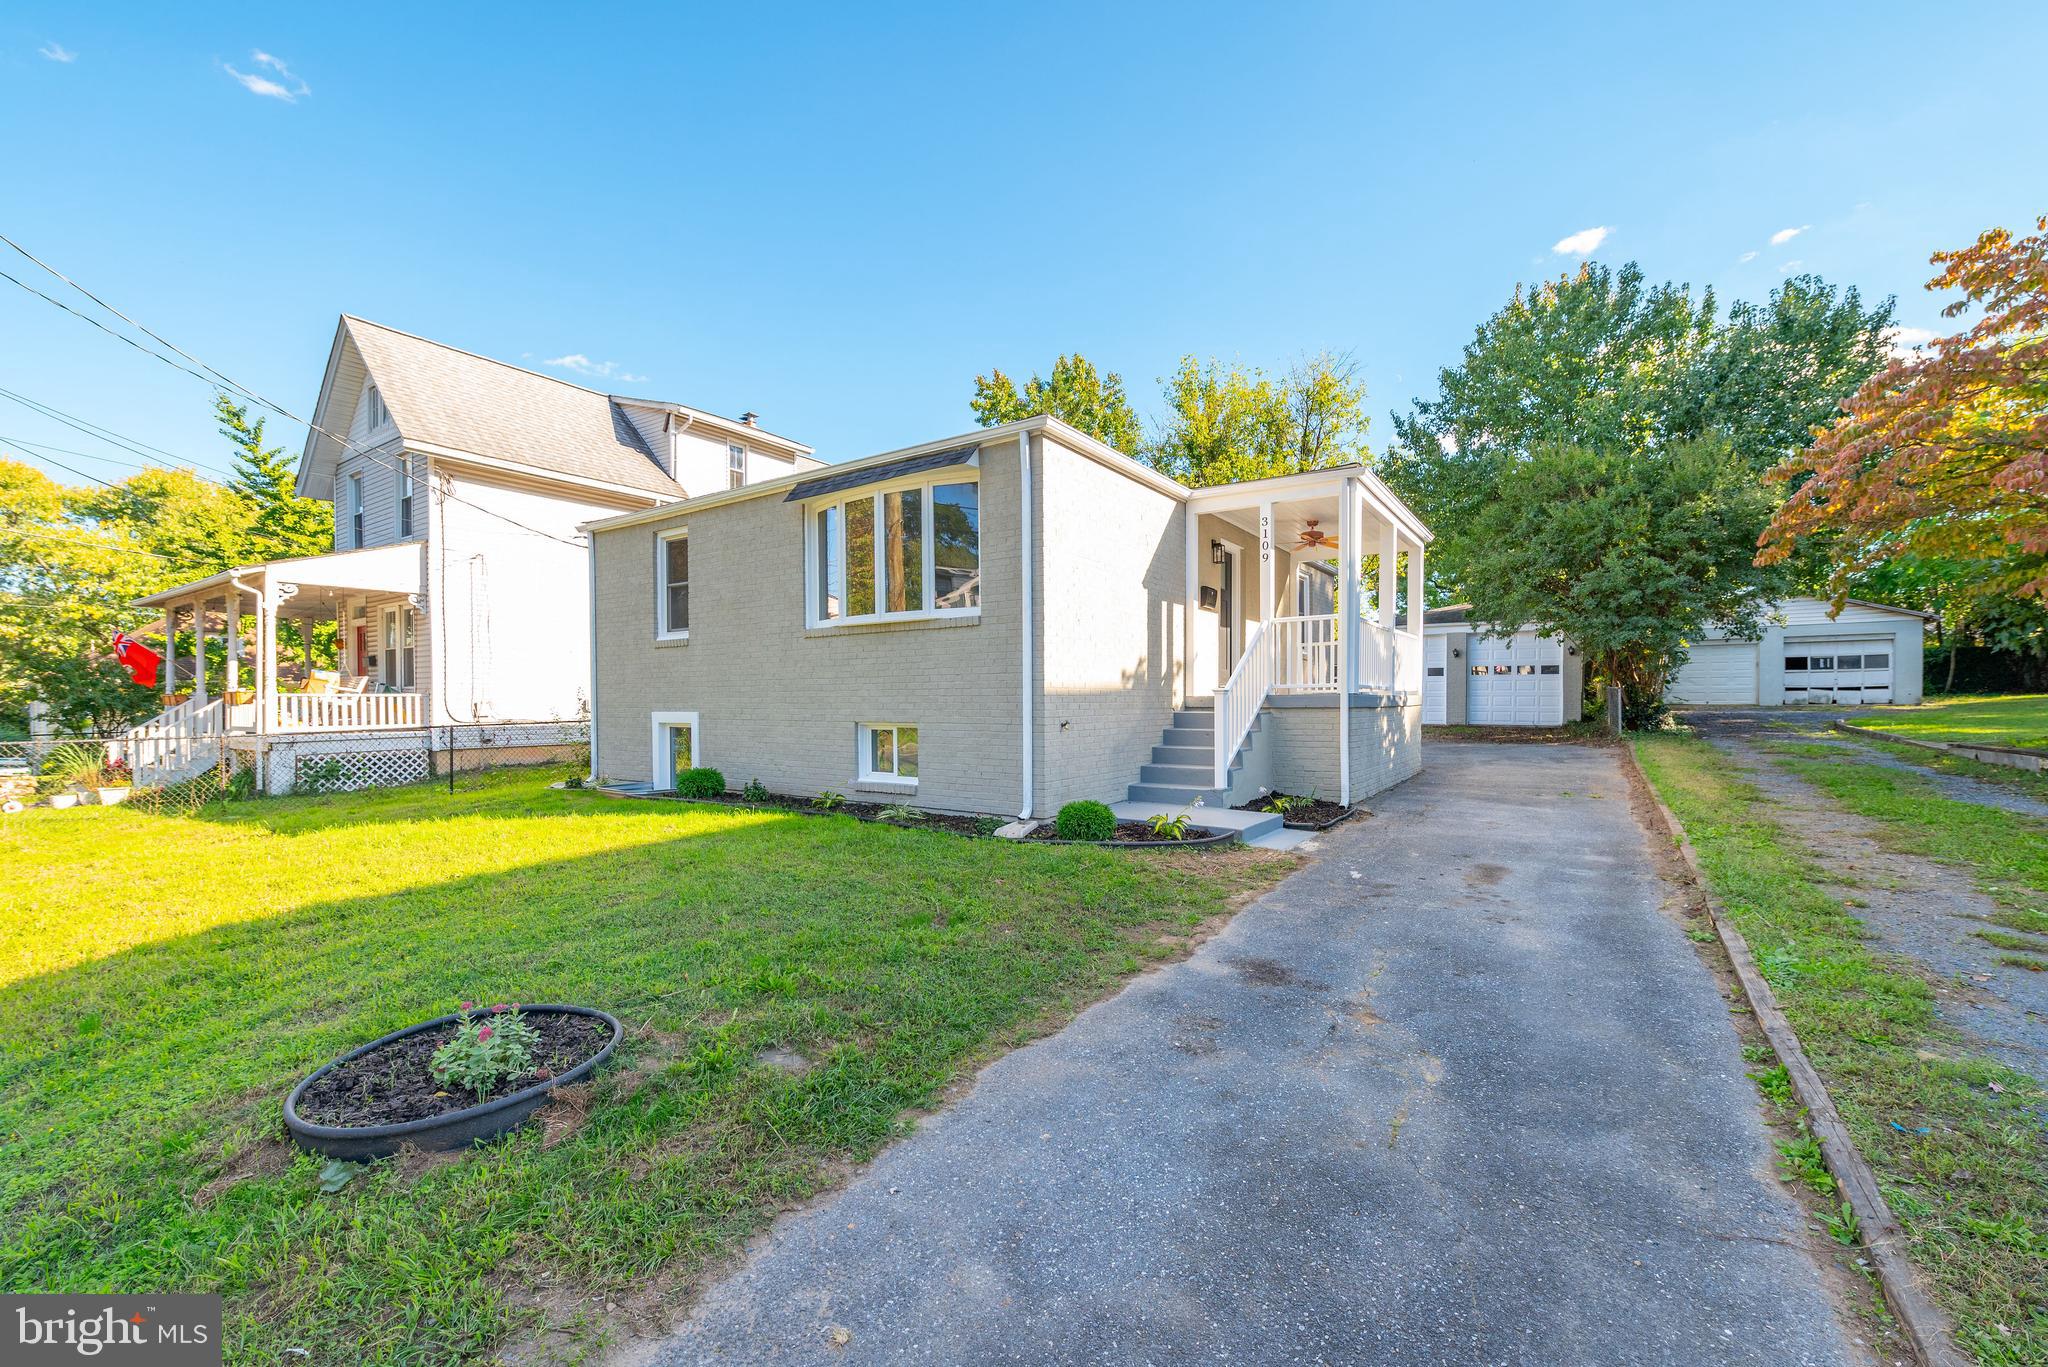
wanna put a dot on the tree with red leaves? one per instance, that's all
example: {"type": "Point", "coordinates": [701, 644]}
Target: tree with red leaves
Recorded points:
{"type": "Point", "coordinates": [1942, 458]}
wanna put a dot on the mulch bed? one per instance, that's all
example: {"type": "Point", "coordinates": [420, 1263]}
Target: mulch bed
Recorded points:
{"type": "Point", "coordinates": [1318, 814]}
{"type": "Point", "coordinates": [860, 811]}
{"type": "Point", "coordinates": [1135, 833]}
{"type": "Point", "coordinates": [391, 1085]}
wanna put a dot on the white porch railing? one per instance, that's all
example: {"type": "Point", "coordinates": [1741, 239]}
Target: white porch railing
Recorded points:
{"type": "Point", "coordinates": [1239, 700]}
{"type": "Point", "coordinates": [161, 749]}
{"type": "Point", "coordinates": [348, 711]}
{"type": "Point", "coordinates": [1301, 655]}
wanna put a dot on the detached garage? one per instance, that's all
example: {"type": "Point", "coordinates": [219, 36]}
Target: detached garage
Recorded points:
{"type": "Point", "coordinates": [1473, 680]}
{"type": "Point", "coordinates": [1868, 653]}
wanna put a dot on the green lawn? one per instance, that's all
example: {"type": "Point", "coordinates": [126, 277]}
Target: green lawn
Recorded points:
{"type": "Point", "coordinates": [164, 981]}
{"type": "Point", "coordinates": [2017, 719]}
{"type": "Point", "coordinates": [1971, 1193]}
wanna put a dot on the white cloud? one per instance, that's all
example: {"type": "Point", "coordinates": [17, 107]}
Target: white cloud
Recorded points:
{"type": "Point", "coordinates": [1784, 235]}
{"type": "Point", "coordinates": [1745, 257]}
{"type": "Point", "coordinates": [1789, 267]}
{"type": "Point", "coordinates": [1584, 242]}
{"type": "Point", "coordinates": [1904, 344]}
{"type": "Point", "coordinates": [286, 87]}
{"type": "Point", "coordinates": [595, 370]}
{"type": "Point", "coordinates": [57, 52]}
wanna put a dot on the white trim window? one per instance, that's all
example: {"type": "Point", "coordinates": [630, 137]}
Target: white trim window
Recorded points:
{"type": "Point", "coordinates": [903, 550]}
{"type": "Point", "coordinates": [672, 586]}
{"type": "Point", "coordinates": [677, 746]}
{"type": "Point", "coordinates": [405, 498]}
{"type": "Point", "coordinates": [377, 415]}
{"type": "Point", "coordinates": [355, 512]}
{"type": "Point", "coordinates": [887, 752]}
{"type": "Point", "coordinates": [735, 465]}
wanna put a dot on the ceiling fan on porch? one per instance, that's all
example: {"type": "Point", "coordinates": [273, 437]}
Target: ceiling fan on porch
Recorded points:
{"type": "Point", "coordinates": [1314, 538]}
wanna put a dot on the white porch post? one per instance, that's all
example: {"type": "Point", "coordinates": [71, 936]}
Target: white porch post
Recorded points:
{"type": "Point", "coordinates": [1187, 616]}
{"type": "Point", "coordinates": [1415, 608]}
{"type": "Point", "coordinates": [199, 651]}
{"type": "Point", "coordinates": [306, 638]}
{"type": "Point", "coordinates": [233, 678]}
{"type": "Point", "coordinates": [266, 658]}
{"type": "Point", "coordinates": [1389, 577]}
{"type": "Point", "coordinates": [1266, 568]}
{"type": "Point", "coordinates": [170, 650]}
{"type": "Point", "coordinates": [1347, 630]}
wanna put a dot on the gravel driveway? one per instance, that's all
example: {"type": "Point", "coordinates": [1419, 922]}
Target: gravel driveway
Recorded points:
{"type": "Point", "coordinates": [1456, 1092]}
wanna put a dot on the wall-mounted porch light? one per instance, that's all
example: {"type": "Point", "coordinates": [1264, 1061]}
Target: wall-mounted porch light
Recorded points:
{"type": "Point", "coordinates": [1215, 552]}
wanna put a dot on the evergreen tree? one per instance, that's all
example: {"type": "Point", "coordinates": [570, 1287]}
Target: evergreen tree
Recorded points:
{"type": "Point", "coordinates": [285, 524]}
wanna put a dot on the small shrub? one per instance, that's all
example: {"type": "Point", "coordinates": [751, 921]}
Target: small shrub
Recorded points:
{"type": "Point", "coordinates": [1280, 804]}
{"type": "Point", "coordinates": [987, 825]}
{"type": "Point", "coordinates": [700, 783]}
{"type": "Point", "coordinates": [75, 766]}
{"type": "Point", "coordinates": [901, 811]}
{"type": "Point", "coordinates": [1085, 820]}
{"type": "Point", "coordinates": [485, 1051]}
{"type": "Point", "coordinates": [828, 800]}
{"type": "Point", "coordinates": [755, 791]}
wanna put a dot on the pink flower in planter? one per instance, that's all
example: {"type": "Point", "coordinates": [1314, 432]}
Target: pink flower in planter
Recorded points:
{"type": "Point", "coordinates": [483, 1034]}
{"type": "Point", "coordinates": [469, 1006]}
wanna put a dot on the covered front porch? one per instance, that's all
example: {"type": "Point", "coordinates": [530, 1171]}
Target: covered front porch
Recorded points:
{"type": "Point", "coordinates": [314, 644]}
{"type": "Point", "coordinates": [1302, 592]}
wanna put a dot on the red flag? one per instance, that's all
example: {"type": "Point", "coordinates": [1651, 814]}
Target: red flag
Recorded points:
{"type": "Point", "coordinates": [138, 659]}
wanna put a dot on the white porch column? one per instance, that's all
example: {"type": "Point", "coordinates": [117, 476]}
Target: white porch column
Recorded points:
{"type": "Point", "coordinates": [1389, 549]}
{"type": "Point", "coordinates": [1187, 614]}
{"type": "Point", "coordinates": [233, 678]}
{"type": "Point", "coordinates": [199, 651]}
{"type": "Point", "coordinates": [170, 650]}
{"type": "Point", "coordinates": [1415, 607]}
{"type": "Point", "coordinates": [266, 658]}
{"type": "Point", "coordinates": [1347, 628]}
{"type": "Point", "coordinates": [306, 639]}
{"type": "Point", "coordinates": [1266, 599]}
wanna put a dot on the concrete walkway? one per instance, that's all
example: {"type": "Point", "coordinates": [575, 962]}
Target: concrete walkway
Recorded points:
{"type": "Point", "coordinates": [1455, 1093]}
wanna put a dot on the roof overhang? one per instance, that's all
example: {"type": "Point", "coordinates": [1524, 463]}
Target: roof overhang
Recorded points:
{"type": "Point", "coordinates": [731, 427]}
{"type": "Point", "coordinates": [397, 568]}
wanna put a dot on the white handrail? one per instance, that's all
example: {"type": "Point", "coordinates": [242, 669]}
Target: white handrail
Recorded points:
{"type": "Point", "coordinates": [348, 711]}
{"type": "Point", "coordinates": [1305, 659]}
{"type": "Point", "coordinates": [171, 740]}
{"type": "Point", "coordinates": [1239, 700]}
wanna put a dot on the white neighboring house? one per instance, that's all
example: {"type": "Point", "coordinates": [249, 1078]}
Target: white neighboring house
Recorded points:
{"type": "Point", "coordinates": [1866, 653]}
{"type": "Point", "coordinates": [459, 583]}
{"type": "Point", "coordinates": [1527, 679]}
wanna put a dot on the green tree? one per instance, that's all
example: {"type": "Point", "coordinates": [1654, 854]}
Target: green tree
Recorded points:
{"type": "Point", "coordinates": [1629, 555]}
{"type": "Point", "coordinates": [1076, 393]}
{"type": "Point", "coordinates": [1602, 360]}
{"type": "Point", "coordinates": [286, 525]}
{"type": "Point", "coordinates": [1229, 423]}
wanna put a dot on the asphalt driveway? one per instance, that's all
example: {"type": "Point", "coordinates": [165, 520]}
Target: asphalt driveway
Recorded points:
{"type": "Point", "coordinates": [1456, 1092]}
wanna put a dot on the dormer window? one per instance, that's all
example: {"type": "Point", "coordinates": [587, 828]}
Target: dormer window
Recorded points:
{"type": "Point", "coordinates": [735, 465]}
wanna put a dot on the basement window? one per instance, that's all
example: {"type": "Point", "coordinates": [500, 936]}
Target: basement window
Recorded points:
{"type": "Point", "coordinates": [888, 753]}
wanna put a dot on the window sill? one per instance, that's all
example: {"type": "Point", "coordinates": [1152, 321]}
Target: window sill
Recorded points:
{"type": "Point", "coordinates": [889, 786]}
{"type": "Point", "coordinates": [900, 624]}
{"type": "Point", "coordinates": [664, 642]}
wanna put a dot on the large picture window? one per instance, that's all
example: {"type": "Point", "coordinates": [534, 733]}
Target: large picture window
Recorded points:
{"type": "Point", "coordinates": [903, 552]}
{"type": "Point", "coordinates": [672, 598]}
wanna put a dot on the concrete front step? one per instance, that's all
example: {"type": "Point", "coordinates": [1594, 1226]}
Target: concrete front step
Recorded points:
{"type": "Point", "coordinates": [1249, 826]}
{"type": "Point", "coordinates": [1196, 776]}
{"type": "Point", "coordinates": [1177, 794]}
{"type": "Point", "coordinates": [1196, 755]}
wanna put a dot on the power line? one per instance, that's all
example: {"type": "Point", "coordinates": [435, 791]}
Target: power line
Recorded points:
{"type": "Point", "coordinates": [221, 379]}
{"type": "Point", "coordinates": [133, 445]}
{"type": "Point", "coordinates": [35, 449]}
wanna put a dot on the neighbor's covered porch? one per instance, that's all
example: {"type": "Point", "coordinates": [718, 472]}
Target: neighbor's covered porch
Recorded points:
{"type": "Point", "coordinates": [1276, 570]}
{"type": "Point", "coordinates": [246, 651]}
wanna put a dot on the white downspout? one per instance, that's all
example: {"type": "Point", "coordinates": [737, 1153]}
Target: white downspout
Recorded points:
{"type": "Point", "coordinates": [1027, 606]}
{"type": "Point", "coordinates": [591, 540]}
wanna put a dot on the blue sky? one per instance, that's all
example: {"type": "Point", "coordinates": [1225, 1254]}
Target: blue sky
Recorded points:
{"type": "Point", "coordinates": [838, 215]}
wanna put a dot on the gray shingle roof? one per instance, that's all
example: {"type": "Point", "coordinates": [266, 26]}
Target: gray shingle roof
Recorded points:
{"type": "Point", "coordinates": [446, 397]}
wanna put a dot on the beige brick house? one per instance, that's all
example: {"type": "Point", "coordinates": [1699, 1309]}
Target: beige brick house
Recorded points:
{"type": "Point", "coordinates": [1006, 620]}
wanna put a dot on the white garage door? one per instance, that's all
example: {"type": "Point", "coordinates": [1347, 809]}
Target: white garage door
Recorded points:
{"type": "Point", "coordinates": [1433, 680]}
{"type": "Point", "coordinates": [1838, 671]}
{"type": "Point", "coordinates": [1516, 682]}
{"type": "Point", "coordinates": [1716, 671]}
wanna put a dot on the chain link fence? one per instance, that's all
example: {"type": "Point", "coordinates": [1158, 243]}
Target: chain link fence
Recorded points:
{"type": "Point", "coordinates": [66, 771]}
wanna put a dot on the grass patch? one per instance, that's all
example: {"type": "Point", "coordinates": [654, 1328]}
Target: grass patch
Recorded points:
{"type": "Point", "coordinates": [163, 982]}
{"type": "Point", "coordinates": [2012, 719]}
{"type": "Point", "coordinates": [2007, 853]}
{"type": "Point", "coordinates": [1868, 1023]}
{"type": "Point", "coordinates": [2004, 775]}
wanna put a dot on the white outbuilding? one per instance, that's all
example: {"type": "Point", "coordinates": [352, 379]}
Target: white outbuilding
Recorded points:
{"type": "Point", "coordinates": [1468, 679]}
{"type": "Point", "coordinates": [1866, 653]}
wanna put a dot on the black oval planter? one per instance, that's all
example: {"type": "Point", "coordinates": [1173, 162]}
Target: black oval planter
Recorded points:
{"type": "Point", "coordinates": [454, 1130]}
